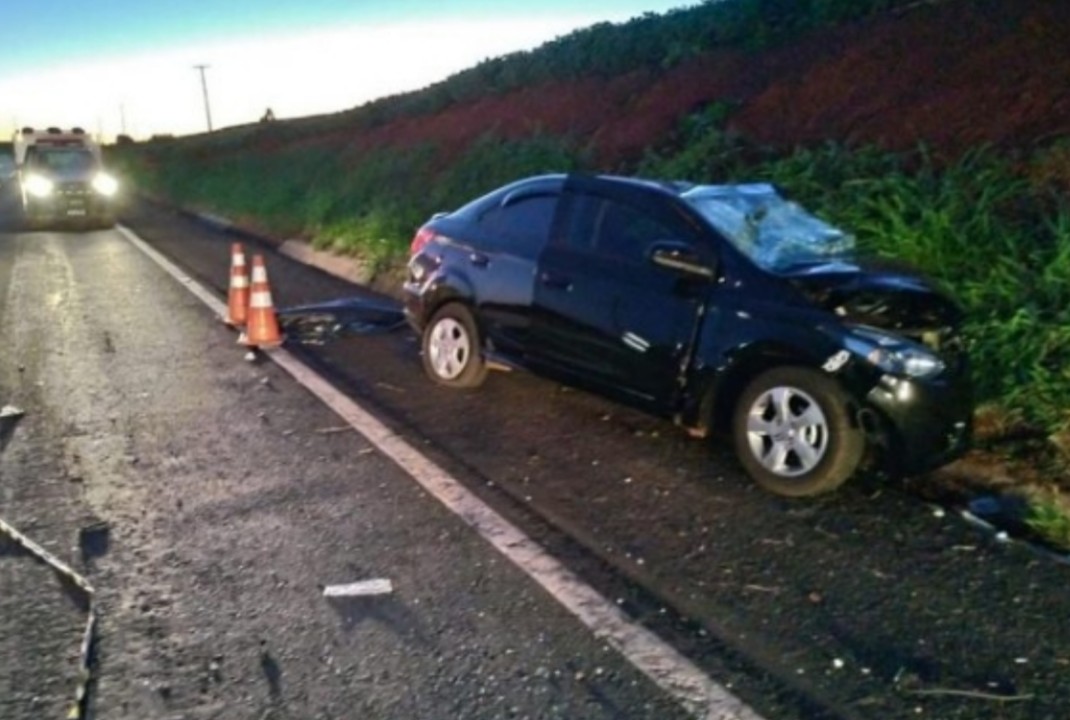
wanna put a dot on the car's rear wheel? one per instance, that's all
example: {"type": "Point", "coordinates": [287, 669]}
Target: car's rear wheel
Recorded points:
{"type": "Point", "coordinates": [794, 434]}
{"type": "Point", "coordinates": [452, 349]}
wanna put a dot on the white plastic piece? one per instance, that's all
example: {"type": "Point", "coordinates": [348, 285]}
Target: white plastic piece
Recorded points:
{"type": "Point", "coordinates": [10, 411]}
{"type": "Point", "coordinates": [364, 588]}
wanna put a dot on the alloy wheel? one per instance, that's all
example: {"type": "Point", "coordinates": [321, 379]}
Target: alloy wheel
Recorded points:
{"type": "Point", "coordinates": [787, 431]}
{"type": "Point", "coordinates": [450, 348]}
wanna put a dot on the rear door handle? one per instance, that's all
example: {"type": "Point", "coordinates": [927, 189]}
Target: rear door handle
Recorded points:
{"type": "Point", "coordinates": [479, 259]}
{"type": "Point", "coordinates": [559, 282]}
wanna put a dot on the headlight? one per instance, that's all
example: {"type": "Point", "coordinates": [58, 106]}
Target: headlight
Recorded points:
{"type": "Point", "coordinates": [39, 186]}
{"type": "Point", "coordinates": [105, 184]}
{"type": "Point", "coordinates": [894, 354]}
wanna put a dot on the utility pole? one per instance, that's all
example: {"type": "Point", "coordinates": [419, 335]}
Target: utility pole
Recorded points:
{"type": "Point", "coordinates": [122, 117]}
{"type": "Point", "coordinates": [204, 91]}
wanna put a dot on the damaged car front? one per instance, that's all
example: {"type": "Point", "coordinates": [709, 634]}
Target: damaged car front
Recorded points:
{"type": "Point", "coordinates": [886, 335]}
{"type": "Point", "coordinates": [914, 376]}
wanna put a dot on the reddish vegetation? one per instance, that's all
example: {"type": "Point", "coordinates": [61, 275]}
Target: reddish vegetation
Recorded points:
{"type": "Point", "coordinates": [953, 74]}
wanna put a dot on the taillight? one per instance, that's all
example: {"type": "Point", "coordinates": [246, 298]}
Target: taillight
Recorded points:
{"type": "Point", "coordinates": [423, 236]}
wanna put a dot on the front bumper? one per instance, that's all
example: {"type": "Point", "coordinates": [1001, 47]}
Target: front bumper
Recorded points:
{"type": "Point", "coordinates": [930, 421]}
{"type": "Point", "coordinates": [74, 203]}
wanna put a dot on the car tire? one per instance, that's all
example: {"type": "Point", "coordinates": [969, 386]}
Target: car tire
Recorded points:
{"type": "Point", "coordinates": [794, 434]}
{"type": "Point", "coordinates": [452, 348]}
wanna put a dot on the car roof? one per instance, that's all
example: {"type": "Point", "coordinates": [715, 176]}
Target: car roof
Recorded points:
{"type": "Point", "coordinates": [678, 187]}
{"type": "Point", "coordinates": [671, 188]}
{"type": "Point", "coordinates": [674, 187]}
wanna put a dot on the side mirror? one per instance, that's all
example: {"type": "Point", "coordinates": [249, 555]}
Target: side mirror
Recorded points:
{"type": "Point", "coordinates": [679, 256]}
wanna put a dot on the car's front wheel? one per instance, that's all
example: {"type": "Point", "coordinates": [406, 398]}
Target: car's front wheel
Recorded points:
{"type": "Point", "coordinates": [794, 433]}
{"type": "Point", "coordinates": [452, 351]}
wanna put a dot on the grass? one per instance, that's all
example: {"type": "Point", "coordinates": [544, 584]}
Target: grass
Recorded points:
{"type": "Point", "coordinates": [357, 203]}
{"type": "Point", "coordinates": [1049, 517]}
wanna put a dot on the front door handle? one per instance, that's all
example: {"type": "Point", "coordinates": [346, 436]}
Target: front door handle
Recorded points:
{"type": "Point", "coordinates": [479, 259]}
{"type": "Point", "coordinates": [558, 282]}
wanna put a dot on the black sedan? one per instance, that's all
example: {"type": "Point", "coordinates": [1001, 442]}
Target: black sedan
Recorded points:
{"type": "Point", "coordinates": [727, 308]}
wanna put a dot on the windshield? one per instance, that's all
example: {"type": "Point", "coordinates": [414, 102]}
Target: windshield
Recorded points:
{"type": "Point", "coordinates": [65, 162]}
{"type": "Point", "coordinates": [773, 232]}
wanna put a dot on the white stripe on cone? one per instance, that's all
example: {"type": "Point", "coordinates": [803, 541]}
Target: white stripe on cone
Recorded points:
{"type": "Point", "coordinates": [261, 299]}
{"type": "Point", "coordinates": [259, 274]}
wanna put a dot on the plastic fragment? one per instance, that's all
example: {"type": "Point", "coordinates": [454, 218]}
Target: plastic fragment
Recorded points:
{"type": "Point", "coordinates": [11, 411]}
{"type": "Point", "coordinates": [362, 588]}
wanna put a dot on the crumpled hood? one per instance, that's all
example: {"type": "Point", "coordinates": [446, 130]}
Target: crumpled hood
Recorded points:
{"type": "Point", "coordinates": [881, 294]}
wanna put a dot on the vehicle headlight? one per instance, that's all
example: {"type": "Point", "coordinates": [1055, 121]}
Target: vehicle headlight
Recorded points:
{"type": "Point", "coordinates": [894, 354]}
{"type": "Point", "coordinates": [105, 184]}
{"type": "Point", "coordinates": [39, 186]}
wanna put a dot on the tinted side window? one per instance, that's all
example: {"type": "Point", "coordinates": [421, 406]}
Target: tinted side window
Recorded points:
{"type": "Point", "coordinates": [584, 213]}
{"type": "Point", "coordinates": [610, 228]}
{"type": "Point", "coordinates": [521, 227]}
{"type": "Point", "coordinates": [626, 232]}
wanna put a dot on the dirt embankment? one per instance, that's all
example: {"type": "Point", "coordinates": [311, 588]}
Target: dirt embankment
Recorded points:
{"type": "Point", "coordinates": [951, 74]}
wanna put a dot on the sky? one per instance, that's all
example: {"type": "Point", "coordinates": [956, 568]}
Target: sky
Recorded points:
{"type": "Point", "coordinates": [128, 66]}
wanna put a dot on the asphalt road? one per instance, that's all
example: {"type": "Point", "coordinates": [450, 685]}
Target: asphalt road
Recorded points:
{"type": "Point", "coordinates": [229, 505]}
{"type": "Point", "coordinates": [227, 508]}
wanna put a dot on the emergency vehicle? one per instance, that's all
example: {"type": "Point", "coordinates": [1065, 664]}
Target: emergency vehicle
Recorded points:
{"type": "Point", "coordinates": [62, 179]}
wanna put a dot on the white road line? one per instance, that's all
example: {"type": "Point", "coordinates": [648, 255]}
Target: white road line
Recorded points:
{"type": "Point", "coordinates": [700, 695]}
{"type": "Point", "coordinates": [208, 298]}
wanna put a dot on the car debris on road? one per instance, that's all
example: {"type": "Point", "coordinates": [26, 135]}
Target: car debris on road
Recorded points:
{"type": "Point", "coordinates": [80, 584]}
{"type": "Point", "coordinates": [11, 411]}
{"type": "Point", "coordinates": [362, 588]}
{"type": "Point", "coordinates": [317, 323]}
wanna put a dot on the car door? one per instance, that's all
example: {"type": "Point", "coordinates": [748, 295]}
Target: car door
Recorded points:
{"type": "Point", "coordinates": [605, 312]}
{"type": "Point", "coordinates": [502, 264]}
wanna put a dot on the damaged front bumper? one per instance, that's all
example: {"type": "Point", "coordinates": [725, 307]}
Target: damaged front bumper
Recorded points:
{"type": "Point", "coordinates": [926, 423]}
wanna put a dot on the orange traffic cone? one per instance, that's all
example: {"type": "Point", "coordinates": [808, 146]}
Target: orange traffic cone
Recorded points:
{"type": "Point", "coordinates": [261, 325]}
{"type": "Point", "coordinates": [238, 295]}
